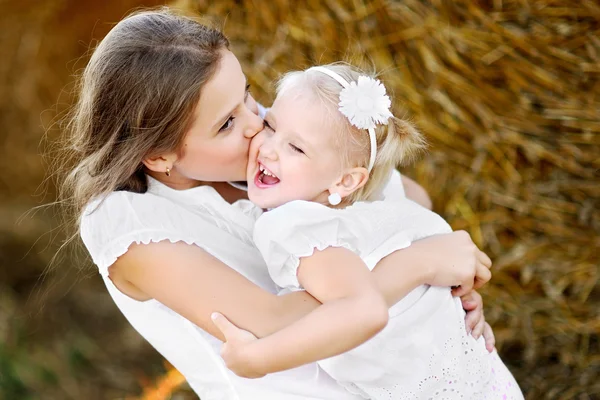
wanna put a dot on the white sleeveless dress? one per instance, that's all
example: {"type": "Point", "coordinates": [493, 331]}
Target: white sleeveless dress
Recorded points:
{"type": "Point", "coordinates": [200, 217]}
{"type": "Point", "coordinates": [424, 352]}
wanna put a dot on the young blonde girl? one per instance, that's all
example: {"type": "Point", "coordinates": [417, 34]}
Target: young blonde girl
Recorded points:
{"type": "Point", "coordinates": [329, 145]}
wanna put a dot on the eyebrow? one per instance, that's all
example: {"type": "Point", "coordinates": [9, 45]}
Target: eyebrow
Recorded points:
{"type": "Point", "coordinates": [222, 120]}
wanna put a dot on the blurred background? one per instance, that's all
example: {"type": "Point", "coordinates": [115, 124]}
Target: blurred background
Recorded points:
{"type": "Point", "coordinates": [507, 92]}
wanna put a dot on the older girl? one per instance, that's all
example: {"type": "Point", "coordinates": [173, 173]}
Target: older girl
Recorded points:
{"type": "Point", "coordinates": [163, 121]}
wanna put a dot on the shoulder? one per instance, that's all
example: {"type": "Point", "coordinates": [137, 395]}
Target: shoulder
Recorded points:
{"type": "Point", "coordinates": [293, 216]}
{"type": "Point", "coordinates": [299, 227]}
{"type": "Point", "coordinates": [296, 207]}
{"type": "Point", "coordinates": [120, 203]}
{"type": "Point", "coordinates": [394, 189]}
{"type": "Point", "coordinates": [121, 211]}
{"type": "Point", "coordinates": [110, 225]}
{"type": "Point", "coordinates": [104, 213]}
{"type": "Point", "coordinates": [389, 218]}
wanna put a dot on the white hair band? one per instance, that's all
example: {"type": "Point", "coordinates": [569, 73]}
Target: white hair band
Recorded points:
{"type": "Point", "coordinates": [364, 103]}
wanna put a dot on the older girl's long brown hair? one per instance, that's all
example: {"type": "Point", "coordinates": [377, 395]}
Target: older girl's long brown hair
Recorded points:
{"type": "Point", "coordinates": [136, 98]}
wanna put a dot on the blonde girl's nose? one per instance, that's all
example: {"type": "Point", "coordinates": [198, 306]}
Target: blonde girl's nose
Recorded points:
{"type": "Point", "coordinates": [268, 148]}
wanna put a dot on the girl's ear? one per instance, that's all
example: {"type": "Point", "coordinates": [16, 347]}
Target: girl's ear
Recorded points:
{"type": "Point", "coordinates": [160, 163]}
{"type": "Point", "coordinates": [352, 180]}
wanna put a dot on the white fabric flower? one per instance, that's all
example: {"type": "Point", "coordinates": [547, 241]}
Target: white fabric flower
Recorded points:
{"type": "Point", "coordinates": [365, 103]}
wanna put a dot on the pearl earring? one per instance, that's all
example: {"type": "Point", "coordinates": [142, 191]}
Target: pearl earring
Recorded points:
{"type": "Point", "coordinates": [334, 199]}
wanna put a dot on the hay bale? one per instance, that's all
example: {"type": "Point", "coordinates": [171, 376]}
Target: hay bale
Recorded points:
{"type": "Point", "coordinates": [508, 93]}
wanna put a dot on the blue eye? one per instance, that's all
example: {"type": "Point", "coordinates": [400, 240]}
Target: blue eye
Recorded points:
{"type": "Point", "coordinates": [227, 125]}
{"type": "Point", "coordinates": [296, 149]}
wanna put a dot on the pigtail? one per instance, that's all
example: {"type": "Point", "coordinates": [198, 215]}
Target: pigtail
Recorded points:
{"type": "Point", "coordinates": [402, 143]}
{"type": "Point", "coordinates": [399, 143]}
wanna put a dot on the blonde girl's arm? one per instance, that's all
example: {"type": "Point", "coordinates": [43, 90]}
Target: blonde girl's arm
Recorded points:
{"type": "Point", "coordinates": [353, 311]}
{"type": "Point", "coordinates": [287, 349]}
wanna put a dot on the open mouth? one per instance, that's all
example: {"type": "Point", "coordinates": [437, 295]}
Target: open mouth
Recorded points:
{"type": "Point", "coordinates": [265, 178]}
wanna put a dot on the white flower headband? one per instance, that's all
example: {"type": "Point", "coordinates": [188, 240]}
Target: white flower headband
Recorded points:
{"type": "Point", "coordinates": [364, 103]}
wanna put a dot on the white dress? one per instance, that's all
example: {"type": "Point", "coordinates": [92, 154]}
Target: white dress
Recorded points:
{"type": "Point", "coordinates": [200, 217]}
{"type": "Point", "coordinates": [424, 352]}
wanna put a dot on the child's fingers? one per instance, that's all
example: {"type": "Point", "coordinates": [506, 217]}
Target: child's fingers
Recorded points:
{"type": "Point", "coordinates": [463, 289]}
{"type": "Point", "coordinates": [478, 328]}
{"type": "Point", "coordinates": [471, 301]}
{"type": "Point", "coordinates": [472, 319]}
{"type": "Point", "coordinates": [467, 301]}
{"type": "Point", "coordinates": [490, 339]}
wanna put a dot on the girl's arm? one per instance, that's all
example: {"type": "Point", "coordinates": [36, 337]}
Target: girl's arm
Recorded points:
{"type": "Point", "coordinates": [194, 284]}
{"type": "Point", "coordinates": [456, 251]}
{"type": "Point", "coordinates": [353, 311]}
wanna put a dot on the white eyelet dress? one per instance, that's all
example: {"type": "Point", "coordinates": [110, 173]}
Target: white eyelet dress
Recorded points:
{"type": "Point", "coordinates": [424, 352]}
{"type": "Point", "coordinates": [199, 217]}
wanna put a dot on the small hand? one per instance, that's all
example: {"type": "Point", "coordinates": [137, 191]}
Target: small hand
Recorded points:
{"type": "Point", "coordinates": [475, 319]}
{"type": "Point", "coordinates": [235, 351]}
{"type": "Point", "coordinates": [455, 261]}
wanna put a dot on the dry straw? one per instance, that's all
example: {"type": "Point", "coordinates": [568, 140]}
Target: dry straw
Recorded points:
{"type": "Point", "coordinates": [508, 94]}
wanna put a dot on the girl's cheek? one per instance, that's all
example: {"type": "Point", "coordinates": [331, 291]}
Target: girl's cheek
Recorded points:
{"type": "Point", "coordinates": [256, 141]}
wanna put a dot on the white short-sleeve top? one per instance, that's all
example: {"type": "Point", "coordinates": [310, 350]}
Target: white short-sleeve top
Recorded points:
{"type": "Point", "coordinates": [424, 350]}
{"type": "Point", "coordinates": [201, 217]}
{"type": "Point", "coordinates": [372, 230]}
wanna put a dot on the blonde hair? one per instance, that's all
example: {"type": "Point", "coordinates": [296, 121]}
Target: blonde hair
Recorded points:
{"type": "Point", "coordinates": [136, 99]}
{"type": "Point", "coordinates": [398, 142]}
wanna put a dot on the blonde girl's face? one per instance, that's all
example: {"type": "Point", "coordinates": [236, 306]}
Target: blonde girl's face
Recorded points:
{"type": "Point", "coordinates": [294, 157]}
{"type": "Point", "coordinates": [216, 146]}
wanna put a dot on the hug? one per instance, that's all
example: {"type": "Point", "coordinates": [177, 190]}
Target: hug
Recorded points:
{"type": "Point", "coordinates": [323, 275]}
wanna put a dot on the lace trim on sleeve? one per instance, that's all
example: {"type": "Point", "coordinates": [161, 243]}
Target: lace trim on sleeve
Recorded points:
{"type": "Point", "coordinates": [116, 248]}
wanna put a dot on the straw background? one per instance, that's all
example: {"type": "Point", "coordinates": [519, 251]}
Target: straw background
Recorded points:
{"type": "Point", "coordinates": [506, 91]}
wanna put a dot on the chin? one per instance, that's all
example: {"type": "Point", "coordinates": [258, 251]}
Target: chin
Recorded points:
{"type": "Point", "coordinates": [262, 201]}
{"type": "Point", "coordinates": [259, 202]}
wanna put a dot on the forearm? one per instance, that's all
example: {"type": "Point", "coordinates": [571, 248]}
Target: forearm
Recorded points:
{"type": "Point", "coordinates": [399, 273]}
{"type": "Point", "coordinates": [395, 276]}
{"type": "Point", "coordinates": [196, 284]}
{"type": "Point", "coordinates": [286, 310]}
{"type": "Point", "coordinates": [334, 328]}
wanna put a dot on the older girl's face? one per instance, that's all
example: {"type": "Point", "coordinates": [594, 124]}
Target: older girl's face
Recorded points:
{"type": "Point", "coordinates": [215, 148]}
